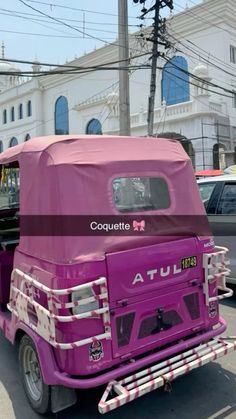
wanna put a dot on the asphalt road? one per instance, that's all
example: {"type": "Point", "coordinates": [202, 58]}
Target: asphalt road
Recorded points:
{"type": "Point", "coordinates": [206, 393]}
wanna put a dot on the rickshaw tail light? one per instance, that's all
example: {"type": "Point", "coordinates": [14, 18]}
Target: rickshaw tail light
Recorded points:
{"type": "Point", "coordinates": [81, 297]}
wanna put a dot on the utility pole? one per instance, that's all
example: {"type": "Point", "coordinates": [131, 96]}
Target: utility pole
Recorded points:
{"type": "Point", "coordinates": [151, 99]}
{"type": "Point", "coordinates": [123, 37]}
{"type": "Point", "coordinates": [203, 150]}
{"type": "Point", "coordinates": [218, 144]}
{"type": "Point", "coordinates": [159, 4]}
{"type": "Point", "coordinates": [158, 32]}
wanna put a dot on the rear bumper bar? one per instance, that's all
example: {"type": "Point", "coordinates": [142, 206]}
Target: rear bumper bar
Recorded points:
{"type": "Point", "coordinates": [162, 374]}
{"type": "Point", "coordinates": [60, 378]}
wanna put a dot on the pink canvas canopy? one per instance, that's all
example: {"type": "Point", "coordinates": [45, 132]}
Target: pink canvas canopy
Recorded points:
{"type": "Point", "coordinates": [72, 175]}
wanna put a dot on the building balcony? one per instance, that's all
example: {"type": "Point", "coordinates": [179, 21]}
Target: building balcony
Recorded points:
{"type": "Point", "coordinates": [197, 107]}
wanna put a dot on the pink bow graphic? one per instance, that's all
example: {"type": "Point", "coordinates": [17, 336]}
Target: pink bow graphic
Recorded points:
{"type": "Point", "coordinates": [139, 226]}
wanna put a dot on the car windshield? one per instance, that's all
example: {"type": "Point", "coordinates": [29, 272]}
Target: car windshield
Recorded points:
{"type": "Point", "coordinates": [9, 188]}
{"type": "Point", "coordinates": [206, 190]}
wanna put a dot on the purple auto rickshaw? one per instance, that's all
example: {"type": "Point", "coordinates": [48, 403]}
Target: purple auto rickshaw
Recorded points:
{"type": "Point", "coordinates": [108, 272]}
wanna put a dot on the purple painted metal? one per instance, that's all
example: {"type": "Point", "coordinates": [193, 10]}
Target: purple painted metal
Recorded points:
{"type": "Point", "coordinates": [53, 376]}
{"type": "Point", "coordinates": [164, 292]}
{"type": "Point", "coordinates": [6, 263]}
{"type": "Point", "coordinates": [154, 302]}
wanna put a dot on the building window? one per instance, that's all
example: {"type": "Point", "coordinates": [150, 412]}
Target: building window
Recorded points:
{"type": "Point", "coordinates": [1, 146]}
{"type": "Point", "coordinates": [27, 137]}
{"type": "Point", "coordinates": [188, 147]}
{"type": "Point", "coordinates": [232, 54]}
{"type": "Point", "coordinates": [13, 142]}
{"type": "Point", "coordinates": [219, 156]}
{"type": "Point", "coordinates": [12, 114]}
{"type": "Point", "coordinates": [20, 111]}
{"type": "Point", "coordinates": [29, 108]}
{"type": "Point", "coordinates": [234, 99]}
{"type": "Point", "coordinates": [175, 81]}
{"type": "Point", "coordinates": [94, 126]}
{"type": "Point", "coordinates": [61, 116]}
{"type": "Point", "coordinates": [4, 116]}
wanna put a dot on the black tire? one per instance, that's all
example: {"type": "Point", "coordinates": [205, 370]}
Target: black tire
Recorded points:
{"type": "Point", "coordinates": [37, 392]}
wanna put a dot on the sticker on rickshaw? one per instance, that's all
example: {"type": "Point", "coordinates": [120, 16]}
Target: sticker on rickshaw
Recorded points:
{"type": "Point", "coordinates": [189, 262]}
{"type": "Point", "coordinates": [213, 311]}
{"type": "Point", "coordinates": [96, 351]}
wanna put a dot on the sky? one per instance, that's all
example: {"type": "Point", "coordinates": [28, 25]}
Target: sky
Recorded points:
{"type": "Point", "coordinates": [28, 34]}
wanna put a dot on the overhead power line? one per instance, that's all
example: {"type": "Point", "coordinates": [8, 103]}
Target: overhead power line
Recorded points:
{"type": "Point", "coordinates": [70, 72]}
{"type": "Point", "coordinates": [62, 22]}
{"type": "Point", "coordinates": [156, 37]}
{"type": "Point", "coordinates": [198, 99]}
{"type": "Point", "coordinates": [197, 78]}
{"type": "Point", "coordinates": [209, 83]}
{"type": "Point", "coordinates": [194, 84]}
{"type": "Point", "coordinates": [204, 19]}
{"type": "Point", "coordinates": [192, 58]}
{"type": "Point", "coordinates": [221, 64]}
{"type": "Point", "coordinates": [96, 12]}
{"type": "Point", "coordinates": [71, 109]}
{"type": "Point", "coordinates": [69, 66]}
{"type": "Point", "coordinates": [21, 14]}
{"type": "Point", "coordinates": [14, 14]}
{"type": "Point", "coordinates": [44, 35]}
{"type": "Point", "coordinates": [72, 27]}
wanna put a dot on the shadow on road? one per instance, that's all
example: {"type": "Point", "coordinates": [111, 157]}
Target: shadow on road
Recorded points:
{"type": "Point", "coordinates": [230, 302]}
{"type": "Point", "coordinates": [205, 393]}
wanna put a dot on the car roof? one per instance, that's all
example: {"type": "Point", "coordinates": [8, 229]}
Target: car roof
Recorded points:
{"type": "Point", "coordinates": [221, 178]}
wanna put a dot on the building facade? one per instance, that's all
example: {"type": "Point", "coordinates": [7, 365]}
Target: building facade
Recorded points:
{"type": "Point", "coordinates": [195, 99]}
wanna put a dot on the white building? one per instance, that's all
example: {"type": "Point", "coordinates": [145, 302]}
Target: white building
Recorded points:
{"type": "Point", "coordinates": [205, 40]}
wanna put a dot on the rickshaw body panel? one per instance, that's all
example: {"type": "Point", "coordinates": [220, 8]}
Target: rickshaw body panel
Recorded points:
{"type": "Point", "coordinates": [156, 307]}
{"type": "Point", "coordinates": [162, 292]}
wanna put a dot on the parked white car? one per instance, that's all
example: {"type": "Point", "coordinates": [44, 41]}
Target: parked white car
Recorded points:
{"type": "Point", "coordinates": [219, 196]}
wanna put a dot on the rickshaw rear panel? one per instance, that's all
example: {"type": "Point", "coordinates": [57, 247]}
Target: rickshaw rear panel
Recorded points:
{"type": "Point", "coordinates": [154, 287]}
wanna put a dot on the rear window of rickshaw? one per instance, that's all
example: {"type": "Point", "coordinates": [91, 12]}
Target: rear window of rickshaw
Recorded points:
{"type": "Point", "coordinates": [135, 194]}
{"type": "Point", "coordinates": [9, 187]}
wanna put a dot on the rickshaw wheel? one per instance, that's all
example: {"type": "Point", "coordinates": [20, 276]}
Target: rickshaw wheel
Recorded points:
{"type": "Point", "coordinates": [37, 392]}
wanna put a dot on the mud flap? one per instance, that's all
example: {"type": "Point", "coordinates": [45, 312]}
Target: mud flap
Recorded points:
{"type": "Point", "coordinates": [62, 397]}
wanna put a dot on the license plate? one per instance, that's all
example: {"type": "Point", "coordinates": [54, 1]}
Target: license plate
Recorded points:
{"type": "Point", "coordinates": [189, 262]}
